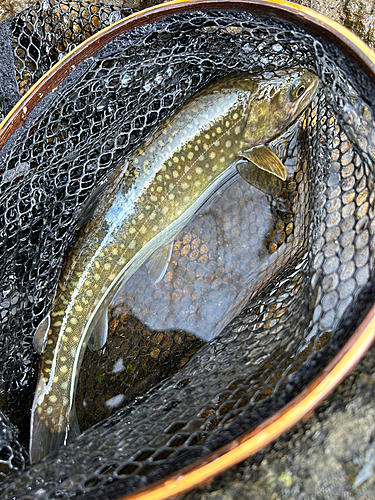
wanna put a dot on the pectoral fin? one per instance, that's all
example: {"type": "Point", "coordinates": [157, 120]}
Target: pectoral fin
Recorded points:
{"type": "Point", "coordinates": [267, 183]}
{"type": "Point", "coordinates": [41, 335]}
{"type": "Point", "coordinates": [99, 334]}
{"type": "Point", "coordinates": [265, 159]}
{"type": "Point", "coordinates": [158, 263]}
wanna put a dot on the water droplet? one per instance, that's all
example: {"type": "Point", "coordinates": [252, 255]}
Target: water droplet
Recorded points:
{"type": "Point", "coordinates": [350, 115]}
{"type": "Point", "coordinates": [125, 80]}
{"type": "Point", "coordinates": [277, 47]}
{"type": "Point", "coordinates": [24, 113]}
{"type": "Point", "coordinates": [115, 401]}
{"type": "Point", "coordinates": [147, 86]}
{"type": "Point", "coordinates": [118, 366]}
{"type": "Point", "coordinates": [102, 105]}
{"type": "Point", "coordinates": [158, 79]}
{"type": "Point", "coordinates": [19, 170]}
{"type": "Point", "coordinates": [114, 17]}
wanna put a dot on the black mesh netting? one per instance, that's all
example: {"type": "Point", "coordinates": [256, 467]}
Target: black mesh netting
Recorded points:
{"type": "Point", "coordinates": [171, 398]}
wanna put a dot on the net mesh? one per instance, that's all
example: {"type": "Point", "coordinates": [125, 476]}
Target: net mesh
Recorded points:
{"type": "Point", "coordinates": [157, 397]}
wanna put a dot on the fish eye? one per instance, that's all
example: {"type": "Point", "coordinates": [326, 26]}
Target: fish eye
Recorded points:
{"type": "Point", "coordinates": [298, 88]}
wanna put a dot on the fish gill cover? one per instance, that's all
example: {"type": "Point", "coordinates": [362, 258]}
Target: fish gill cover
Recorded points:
{"type": "Point", "coordinates": [180, 397]}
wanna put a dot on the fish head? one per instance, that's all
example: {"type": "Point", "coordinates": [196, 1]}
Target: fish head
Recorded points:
{"type": "Point", "coordinates": [280, 97]}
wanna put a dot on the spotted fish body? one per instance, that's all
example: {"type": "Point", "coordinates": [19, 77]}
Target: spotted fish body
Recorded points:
{"type": "Point", "coordinates": [148, 201]}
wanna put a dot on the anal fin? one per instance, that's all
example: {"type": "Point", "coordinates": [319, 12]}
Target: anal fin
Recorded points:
{"type": "Point", "coordinates": [88, 208]}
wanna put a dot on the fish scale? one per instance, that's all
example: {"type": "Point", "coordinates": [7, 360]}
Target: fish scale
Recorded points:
{"type": "Point", "coordinates": [146, 202]}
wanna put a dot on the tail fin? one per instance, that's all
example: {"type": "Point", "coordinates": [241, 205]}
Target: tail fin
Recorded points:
{"type": "Point", "coordinates": [43, 440]}
{"type": "Point", "coordinates": [45, 437]}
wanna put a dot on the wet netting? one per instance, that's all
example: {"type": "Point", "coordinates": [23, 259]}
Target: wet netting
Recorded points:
{"type": "Point", "coordinates": [296, 255]}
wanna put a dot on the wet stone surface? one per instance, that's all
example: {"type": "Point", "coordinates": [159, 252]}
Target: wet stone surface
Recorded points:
{"type": "Point", "coordinates": [360, 18]}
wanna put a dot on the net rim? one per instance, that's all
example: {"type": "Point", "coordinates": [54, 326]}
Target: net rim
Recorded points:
{"type": "Point", "coordinates": [314, 23]}
{"type": "Point", "coordinates": [301, 406]}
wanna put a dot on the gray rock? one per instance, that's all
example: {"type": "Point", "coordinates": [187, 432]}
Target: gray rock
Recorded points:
{"type": "Point", "coordinates": [360, 18]}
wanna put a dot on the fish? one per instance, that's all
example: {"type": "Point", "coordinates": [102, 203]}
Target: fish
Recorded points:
{"type": "Point", "coordinates": [225, 255]}
{"type": "Point", "coordinates": [133, 216]}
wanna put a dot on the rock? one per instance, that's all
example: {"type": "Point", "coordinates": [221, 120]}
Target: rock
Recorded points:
{"type": "Point", "coordinates": [360, 18]}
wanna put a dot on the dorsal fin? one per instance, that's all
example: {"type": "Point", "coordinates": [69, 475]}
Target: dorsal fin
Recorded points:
{"type": "Point", "coordinates": [89, 206]}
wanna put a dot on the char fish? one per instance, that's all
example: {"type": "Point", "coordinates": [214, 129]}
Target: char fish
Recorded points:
{"type": "Point", "coordinates": [143, 204]}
